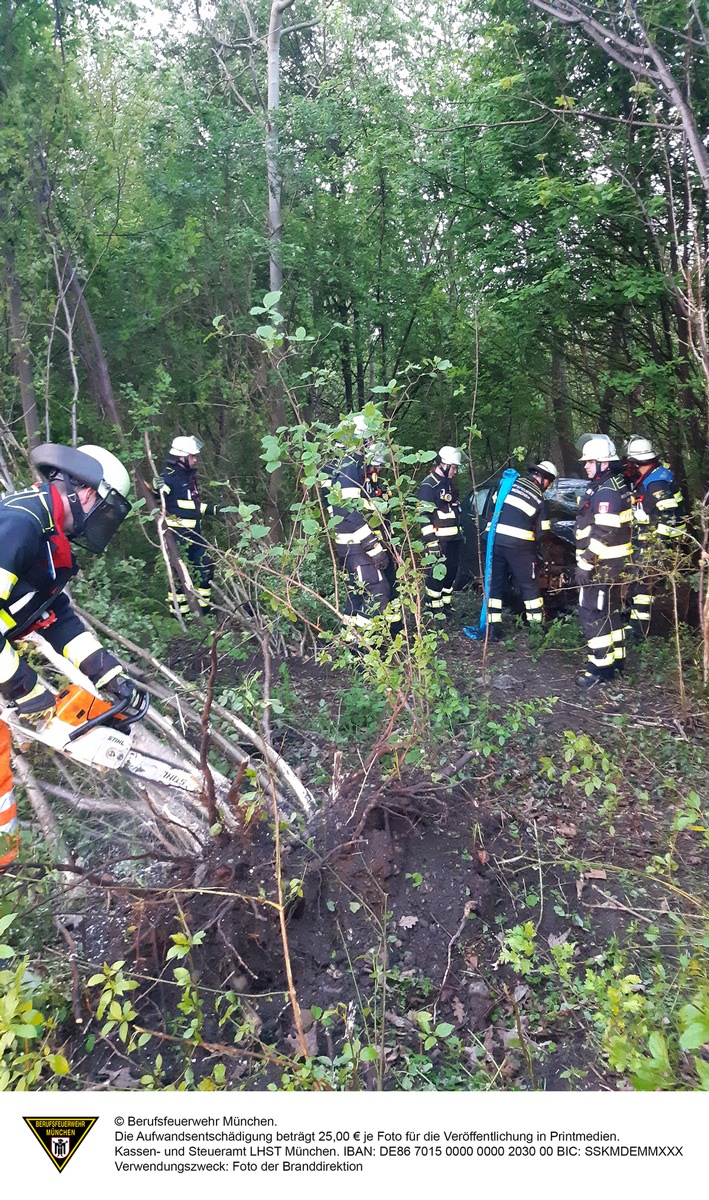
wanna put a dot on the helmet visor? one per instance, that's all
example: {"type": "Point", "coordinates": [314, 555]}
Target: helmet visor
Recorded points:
{"type": "Point", "coordinates": [102, 521]}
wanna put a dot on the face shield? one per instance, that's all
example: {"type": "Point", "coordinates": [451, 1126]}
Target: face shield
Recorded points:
{"type": "Point", "coordinates": [97, 526]}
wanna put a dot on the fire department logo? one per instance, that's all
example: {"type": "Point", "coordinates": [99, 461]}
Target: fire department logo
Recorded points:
{"type": "Point", "coordinates": [604, 507]}
{"type": "Point", "coordinates": [60, 1137]}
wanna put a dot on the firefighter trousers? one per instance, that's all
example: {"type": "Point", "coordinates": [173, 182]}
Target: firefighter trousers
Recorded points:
{"type": "Point", "coordinates": [439, 592]}
{"type": "Point", "coordinates": [194, 548]}
{"type": "Point", "coordinates": [368, 589]}
{"type": "Point", "coordinates": [521, 563]}
{"type": "Point", "coordinates": [9, 830]}
{"type": "Point", "coordinates": [600, 614]}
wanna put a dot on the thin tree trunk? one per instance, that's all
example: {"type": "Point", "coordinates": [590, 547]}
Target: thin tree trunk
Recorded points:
{"type": "Point", "coordinates": [277, 410]}
{"type": "Point", "coordinates": [22, 357]}
{"type": "Point", "coordinates": [562, 444]}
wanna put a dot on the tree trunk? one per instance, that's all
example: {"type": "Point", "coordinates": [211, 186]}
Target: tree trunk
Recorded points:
{"type": "Point", "coordinates": [21, 352]}
{"type": "Point", "coordinates": [277, 411]}
{"type": "Point", "coordinates": [562, 445]}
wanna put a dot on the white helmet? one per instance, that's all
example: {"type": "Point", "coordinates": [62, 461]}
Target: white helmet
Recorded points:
{"type": "Point", "coordinates": [544, 468]}
{"type": "Point", "coordinates": [96, 468]}
{"type": "Point", "coordinates": [182, 447]}
{"type": "Point", "coordinates": [115, 475]}
{"type": "Point", "coordinates": [360, 425]}
{"type": "Point", "coordinates": [640, 450]}
{"type": "Point", "coordinates": [450, 456]}
{"type": "Point", "coordinates": [598, 448]}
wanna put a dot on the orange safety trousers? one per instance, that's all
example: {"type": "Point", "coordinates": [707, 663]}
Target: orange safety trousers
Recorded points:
{"type": "Point", "coordinates": [9, 831]}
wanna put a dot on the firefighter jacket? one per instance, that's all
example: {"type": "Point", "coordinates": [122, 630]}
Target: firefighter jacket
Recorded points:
{"type": "Point", "coordinates": [357, 520]}
{"type": "Point", "coordinates": [36, 564]}
{"type": "Point", "coordinates": [523, 516]}
{"type": "Point", "coordinates": [604, 530]}
{"type": "Point", "coordinates": [439, 511]}
{"type": "Point", "coordinates": [179, 489]}
{"type": "Point", "coordinates": [658, 508]}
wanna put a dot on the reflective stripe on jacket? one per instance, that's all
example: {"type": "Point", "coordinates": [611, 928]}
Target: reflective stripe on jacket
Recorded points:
{"type": "Point", "coordinates": [36, 563]}
{"type": "Point", "coordinates": [439, 509]}
{"type": "Point", "coordinates": [604, 528]}
{"type": "Point", "coordinates": [523, 517]}
{"type": "Point", "coordinates": [347, 501]}
{"type": "Point", "coordinates": [658, 507]}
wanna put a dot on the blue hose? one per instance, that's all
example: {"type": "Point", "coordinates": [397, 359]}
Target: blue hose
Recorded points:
{"type": "Point", "coordinates": [477, 632]}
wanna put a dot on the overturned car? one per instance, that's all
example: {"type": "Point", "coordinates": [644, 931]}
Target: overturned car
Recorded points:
{"type": "Point", "coordinates": [557, 546]}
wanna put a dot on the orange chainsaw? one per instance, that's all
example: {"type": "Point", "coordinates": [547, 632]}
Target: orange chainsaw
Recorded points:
{"type": "Point", "coordinates": [100, 735]}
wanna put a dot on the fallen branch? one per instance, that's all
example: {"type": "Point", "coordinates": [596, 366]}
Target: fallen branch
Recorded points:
{"type": "Point", "coordinates": [279, 764]}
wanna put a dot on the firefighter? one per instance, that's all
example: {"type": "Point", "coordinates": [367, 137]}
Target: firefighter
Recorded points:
{"type": "Point", "coordinates": [439, 511]}
{"type": "Point", "coordinates": [658, 521]}
{"type": "Point", "coordinates": [359, 548]}
{"type": "Point", "coordinates": [521, 522]}
{"type": "Point", "coordinates": [83, 499]}
{"type": "Point", "coordinates": [178, 489]}
{"type": "Point", "coordinates": [603, 559]}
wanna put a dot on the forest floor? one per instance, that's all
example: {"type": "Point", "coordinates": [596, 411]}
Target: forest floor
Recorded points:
{"type": "Point", "coordinates": [521, 916]}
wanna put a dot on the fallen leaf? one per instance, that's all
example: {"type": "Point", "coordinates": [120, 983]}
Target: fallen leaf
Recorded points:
{"type": "Point", "coordinates": [458, 1010]}
{"type": "Point", "coordinates": [310, 1036]}
{"type": "Point", "coordinates": [580, 885]}
{"type": "Point", "coordinates": [398, 1022]}
{"type": "Point", "coordinates": [594, 874]}
{"type": "Point", "coordinates": [482, 856]}
{"type": "Point", "coordinates": [557, 939]}
{"type": "Point", "coordinates": [471, 960]}
{"type": "Point", "coordinates": [566, 830]}
{"type": "Point", "coordinates": [408, 922]}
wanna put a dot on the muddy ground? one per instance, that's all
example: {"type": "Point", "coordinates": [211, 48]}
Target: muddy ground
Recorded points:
{"type": "Point", "coordinates": [407, 885]}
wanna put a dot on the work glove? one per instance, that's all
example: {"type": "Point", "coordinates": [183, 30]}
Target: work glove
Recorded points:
{"type": "Point", "coordinates": [37, 704]}
{"type": "Point", "coordinates": [583, 578]}
{"type": "Point", "coordinates": [121, 687]}
{"type": "Point", "coordinates": [378, 556]}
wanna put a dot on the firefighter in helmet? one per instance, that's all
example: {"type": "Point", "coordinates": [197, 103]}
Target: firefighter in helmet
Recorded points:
{"type": "Point", "coordinates": [83, 498]}
{"type": "Point", "coordinates": [658, 523]}
{"type": "Point", "coordinates": [439, 513]}
{"type": "Point", "coordinates": [522, 520]}
{"type": "Point", "coordinates": [358, 525]}
{"type": "Point", "coordinates": [179, 491]}
{"type": "Point", "coordinates": [603, 559]}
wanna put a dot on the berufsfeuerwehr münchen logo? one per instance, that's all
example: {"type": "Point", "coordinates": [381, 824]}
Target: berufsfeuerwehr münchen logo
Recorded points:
{"type": "Point", "coordinates": [60, 1137]}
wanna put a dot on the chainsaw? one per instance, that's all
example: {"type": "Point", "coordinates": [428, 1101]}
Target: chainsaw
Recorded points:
{"type": "Point", "coordinates": [100, 735]}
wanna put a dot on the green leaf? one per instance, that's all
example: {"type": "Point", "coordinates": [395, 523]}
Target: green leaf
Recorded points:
{"type": "Point", "coordinates": [354, 906]}
{"type": "Point", "coordinates": [369, 1054]}
{"type": "Point", "coordinates": [444, 1030]}
{"type": "Point", "coordinates": [6, 921]}
{"type": "Point", "coordinates": [695, 1035]}
{"type": "Point", "coordinates": [271, 299]}
{"type": "Point", "coordinates": [702, 1068]}
{"type": "Point", "coordinates": [6, 951]}
{"type": "Point", "coordinates": [59, 1064]}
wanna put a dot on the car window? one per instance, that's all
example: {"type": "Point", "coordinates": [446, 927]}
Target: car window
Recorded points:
{"type": "Point", "coordinates": [562, 508]}
{"type": "Point", "coordinates": [480, 499]}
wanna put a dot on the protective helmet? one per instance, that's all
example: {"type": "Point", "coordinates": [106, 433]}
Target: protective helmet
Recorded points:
{"type": "Point", "coordinates": [94, 467]}
{"type": "Point", "coordinates": [450, 456]}
{"type": "Point", "coordinates": [183, 446]}
{"type": "Point", "coordinates": [640, 450]}
{"type": "Point", "coordinates": [600, 448]}
{"type": "Point", "coordinates": [360, 425]}
{"type": "Point", "coordinates": [544, 468]}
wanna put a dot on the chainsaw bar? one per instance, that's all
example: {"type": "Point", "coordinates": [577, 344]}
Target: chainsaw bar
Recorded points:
{"type": "Point", "coordinates": [157, 771]}
{"type": "Point", "coordinates": [105, 749]}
